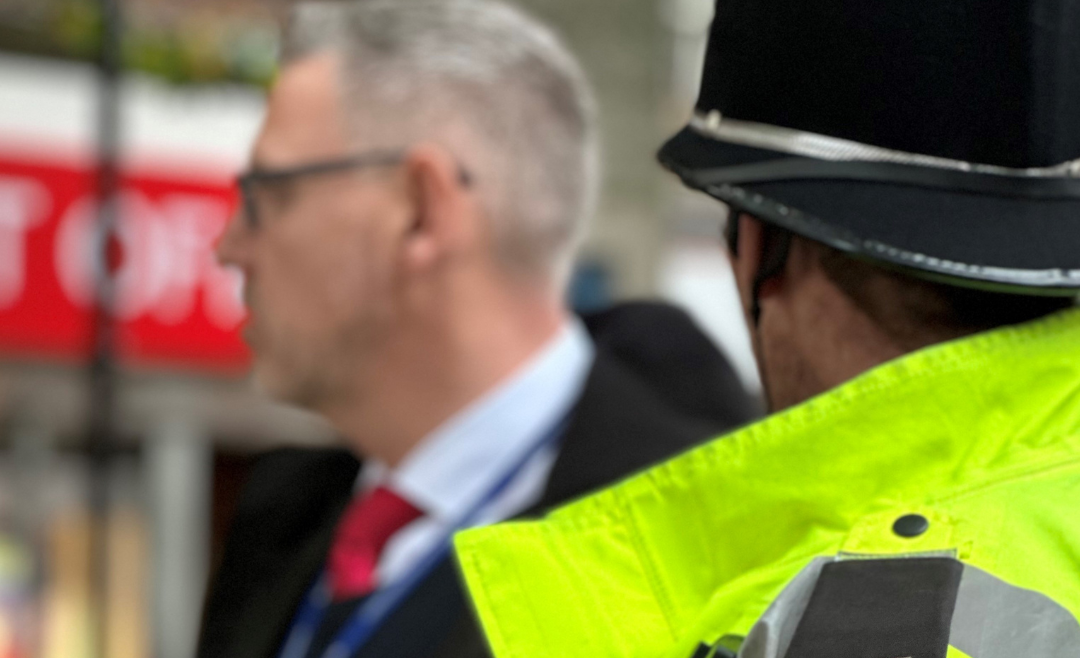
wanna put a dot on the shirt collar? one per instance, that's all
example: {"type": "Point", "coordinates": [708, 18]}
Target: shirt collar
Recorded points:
{"type": "Point", "coordinates": [452, 468]}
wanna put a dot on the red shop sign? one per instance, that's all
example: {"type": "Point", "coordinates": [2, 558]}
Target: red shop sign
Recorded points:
{"type": "Point", "coordinates": [175, 305]}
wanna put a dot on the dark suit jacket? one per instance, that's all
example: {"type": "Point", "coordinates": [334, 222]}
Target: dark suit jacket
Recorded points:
{"type": "Point", "coordinates": [657, 387]}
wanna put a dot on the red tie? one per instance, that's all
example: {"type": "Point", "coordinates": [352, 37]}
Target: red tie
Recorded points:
{"type": "Point", "coordinates": [365, 527]}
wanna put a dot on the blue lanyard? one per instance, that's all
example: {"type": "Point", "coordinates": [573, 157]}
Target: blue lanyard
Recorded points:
{"type": "Point", "coordinates": [363, 624]}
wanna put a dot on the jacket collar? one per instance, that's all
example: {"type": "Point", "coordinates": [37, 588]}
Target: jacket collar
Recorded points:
{"type": "Point", "coordinates": [632, 567]}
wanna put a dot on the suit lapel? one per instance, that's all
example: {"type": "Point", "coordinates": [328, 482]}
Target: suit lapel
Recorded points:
{"type": "Point", "coordinates": [260, 630]}
{"type": "Point", "coordinates": [282, 531]}
{"type": "Point", "coordinates": [618, 427]}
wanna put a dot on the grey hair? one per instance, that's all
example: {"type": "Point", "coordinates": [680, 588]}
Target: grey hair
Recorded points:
{"type": "Point", "coordinates": [492, 84]}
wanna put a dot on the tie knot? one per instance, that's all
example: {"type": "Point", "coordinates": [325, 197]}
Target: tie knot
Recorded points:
{"type": "Point", "coordinates": [365, 527]}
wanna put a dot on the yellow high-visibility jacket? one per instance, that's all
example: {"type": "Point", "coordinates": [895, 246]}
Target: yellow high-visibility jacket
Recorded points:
{"type": "Point", "coordinates": [951, 475]}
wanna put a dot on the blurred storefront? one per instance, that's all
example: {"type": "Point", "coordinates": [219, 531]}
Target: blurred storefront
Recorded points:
{"type": "Point", "coordinates": [184, 401]}
{"type": "Point", "coordinates": [188, 420]}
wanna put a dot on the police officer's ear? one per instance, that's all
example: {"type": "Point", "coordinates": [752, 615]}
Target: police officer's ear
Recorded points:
{"type": "Point", "coordinates": [759, 254]}
{"type": "Point", "coordinates": [744, 247]}
{"type": "Point", "coordinates": [443, 211]}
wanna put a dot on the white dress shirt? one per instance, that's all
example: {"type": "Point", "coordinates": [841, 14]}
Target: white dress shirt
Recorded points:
{"type": "Point", "coordinates": [455, 467]}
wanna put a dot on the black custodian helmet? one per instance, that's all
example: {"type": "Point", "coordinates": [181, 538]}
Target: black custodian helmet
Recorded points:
{"type": "Point", "coordinates": [938, 136]}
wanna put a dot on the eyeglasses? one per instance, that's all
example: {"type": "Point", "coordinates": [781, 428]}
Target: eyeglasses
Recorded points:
{"type": "Point", "coordinates": [252, 180]}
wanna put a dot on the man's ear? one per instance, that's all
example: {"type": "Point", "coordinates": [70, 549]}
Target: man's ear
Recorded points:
{"type": "Point", "coordinates": [441, 222]}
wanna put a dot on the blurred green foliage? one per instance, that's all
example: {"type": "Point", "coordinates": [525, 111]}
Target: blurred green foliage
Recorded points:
{"type": "Point", "coordinates": [200, 48]}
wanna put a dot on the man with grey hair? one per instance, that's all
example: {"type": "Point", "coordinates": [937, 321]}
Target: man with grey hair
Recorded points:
{"type": "Point", "coordinates": [417, 194]}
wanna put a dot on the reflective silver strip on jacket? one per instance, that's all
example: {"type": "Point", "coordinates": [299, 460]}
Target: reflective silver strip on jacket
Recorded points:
{"type": "Point", "coordinates": [992, 619]}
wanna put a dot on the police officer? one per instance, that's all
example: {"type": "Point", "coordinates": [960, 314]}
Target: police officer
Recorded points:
{"type": "Point", "coordinates": [904, 180]}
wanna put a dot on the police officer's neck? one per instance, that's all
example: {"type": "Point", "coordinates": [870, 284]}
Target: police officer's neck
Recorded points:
{"type": "Point", "coordinates": [811, 338]}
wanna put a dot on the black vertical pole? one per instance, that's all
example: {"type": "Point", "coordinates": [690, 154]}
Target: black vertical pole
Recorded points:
{"type": "Point", "coordinates": [103, 384]}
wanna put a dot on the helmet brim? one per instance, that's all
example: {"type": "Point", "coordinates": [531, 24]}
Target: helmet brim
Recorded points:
{"type": "Point", "coordinates": [1004, 243]}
